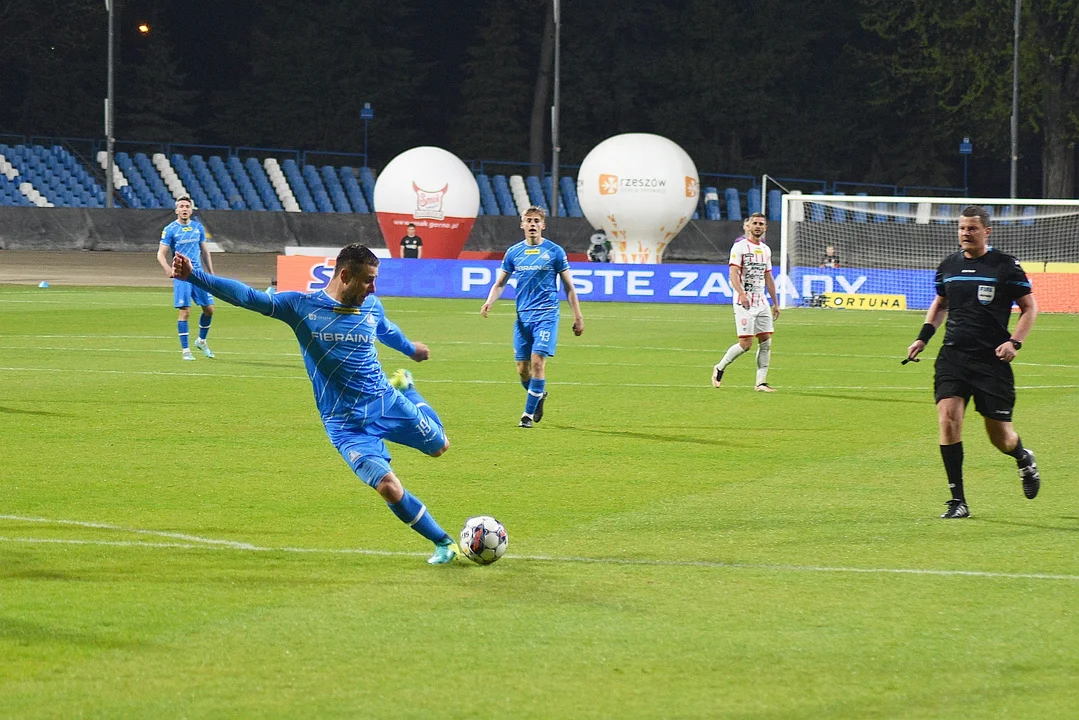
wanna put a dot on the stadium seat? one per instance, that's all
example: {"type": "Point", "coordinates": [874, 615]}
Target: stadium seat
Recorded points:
{"type": "Point", "coordinates": [753, 201]}
{"type": "Point", "coordinates": [569, 195]}
{"type": "Point", "coordinates": [351, 185]}
{"type": "Point", "coordinates": [536, 195]}
{"type": "Point", "coordinates": [859, 212]}
{"type": "Point", "coordinates": [734, 204]}
{"type": "Point", "coordinates": [520, 194]}
{"type": "Point", "coordinates": [487, 195]}
{"type": "Point", "coordinates": [504, 195]}
{"type": "Point", "coordinates": [333, 187]}
{"type": "Point", "coordinates": [548, 192]}
{"type": "Point", "coordinates": [775, 205]}
{"type": "Point", "coordinates": [299, 188]}
{"type": "Point", "coordinates": [711, 203]}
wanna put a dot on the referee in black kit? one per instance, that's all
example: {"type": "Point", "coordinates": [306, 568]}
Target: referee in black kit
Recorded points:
{"type": "Point", "coordinates": [975, 289]}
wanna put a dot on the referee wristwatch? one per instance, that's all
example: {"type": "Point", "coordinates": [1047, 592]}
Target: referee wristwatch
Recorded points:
{"type": "Point", "coordinates": [1016, 343]}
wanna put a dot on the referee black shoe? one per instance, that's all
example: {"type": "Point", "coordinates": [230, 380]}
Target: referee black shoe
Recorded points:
{"type": "Point", "coordinates": [526, 422]}
{"type": "Point", "coordinates": [956, 509]}
{"type": "Point", "coordinates": [1028, 473]}
{"type": "Point", "coordinates": [538, 414]}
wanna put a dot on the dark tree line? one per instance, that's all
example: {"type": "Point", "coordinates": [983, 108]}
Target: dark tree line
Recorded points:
{"type": "Point", "coordinates": [872, 91]}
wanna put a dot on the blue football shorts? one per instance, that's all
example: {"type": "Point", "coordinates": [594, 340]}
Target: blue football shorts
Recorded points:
{"type": "Point", "coordinates": [402, 422]}
{"type": "Point", "coordinates": [184, 292]}
{"type": "Point", "coordinates": [539, 337]}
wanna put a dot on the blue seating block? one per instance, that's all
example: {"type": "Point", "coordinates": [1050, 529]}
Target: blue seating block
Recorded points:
{"type": "Point", "coordinates": [504, 195]}
{"type": "Point", "coordinates": [569, 195]}
{"type": "Point", "coordinates": [711, 203]}
{"type": "Point", "coordinates": [488, 203]}
{"type": "Point", "coordinates": [734, 204]}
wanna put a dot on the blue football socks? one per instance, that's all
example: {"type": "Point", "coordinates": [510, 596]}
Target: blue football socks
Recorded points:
{"type": "Point", "coordinates": [535, 392]}
{"type": "Point", "coordinates": [413, 513]}
{"type": "Point", "coordinates": [204, 325]}
{"type": "Point", "coordinates": [181, 328]}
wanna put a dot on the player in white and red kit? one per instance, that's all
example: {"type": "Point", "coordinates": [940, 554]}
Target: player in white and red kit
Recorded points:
{"type": "Point", "coordinates": [751, 279]}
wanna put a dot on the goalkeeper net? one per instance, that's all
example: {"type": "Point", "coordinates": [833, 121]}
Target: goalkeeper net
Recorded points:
{"type": "Point", "coordinates": [843, 246]}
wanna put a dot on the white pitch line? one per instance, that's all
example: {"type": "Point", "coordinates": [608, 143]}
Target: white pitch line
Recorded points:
{"type": "Point", "coordinates": [199, 543]}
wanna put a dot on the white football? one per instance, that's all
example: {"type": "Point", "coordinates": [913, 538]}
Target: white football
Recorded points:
{"type": "Point", "coordinates": [483, 539]}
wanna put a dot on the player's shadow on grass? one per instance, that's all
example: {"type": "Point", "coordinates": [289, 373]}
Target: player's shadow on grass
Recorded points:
{"type": "Point", "coordinates": [656, 437]}
{"type": "Point", "coordinates": [18, 411]}
{"type": "Point", "coordinates": [866, 398]}
{"type": "Point", "coordinates": [1040, 526]}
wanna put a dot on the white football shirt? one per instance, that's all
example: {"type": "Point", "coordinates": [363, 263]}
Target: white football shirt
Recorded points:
{"type": "Point", "coordinates": [755, 259]}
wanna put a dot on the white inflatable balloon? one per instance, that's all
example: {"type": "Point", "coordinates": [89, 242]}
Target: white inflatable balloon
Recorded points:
{"type": "Point", "coordinates": [642, 190]}
{"type": "Point", "coordinates": [432, 189]}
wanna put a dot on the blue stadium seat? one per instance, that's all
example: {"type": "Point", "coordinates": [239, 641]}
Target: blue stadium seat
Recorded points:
{"type": "Point", "coordinates": [367, 183]}
{"type": "Point", "coordinates": [548, 194]}
{"type": "Point", "coordinates": [209, 185]}
{"type": "Point", "coordinates": [333, 187]}
{"type": "Point", "coordinates": [353, 190]}
{"type": "Point", "coordinates": [880, 208]}
{"type": "Point", "coordinates": [239, 175]}
{"type": "Point", "coordinates": [191, 183]}
{"type": "Point", "coordinates": [860, 208]}
{"type": "Point", "coordinates": [902, 212]}
{"type": "Point", "coordinates": [298, 185]}
{"type": "Point", "coordinates": [488, 203]}
{"type": "Point", "coordinates": [753, 201]}
{"type": "Point", "coordinates": [258, 176]}
{"type": "Point", "coordinates": [233, 196]}
{"type": "Point", "coordinates": [318, 190]}
{"type": "Point", "coordinates": [1028, 216]}
{"type": "Point", "coordinates": [734, 204]}
{"type": "Point", "coordinates": [839, 213]}
{"type": "Point", "coordinates": [775, 205]}
{"type": "Point", "coordinates": [569, 194]}
{"type": "Point", "coordinates": [711, 203]}
{"type": "Point", "coordinates": [504, 195]}
{"type": "Point", "coordinates": [535, 192]}
{"type": "Point", "coordinates": [153, 179]}
{"type": "Point", "coordinates": [816, 210]}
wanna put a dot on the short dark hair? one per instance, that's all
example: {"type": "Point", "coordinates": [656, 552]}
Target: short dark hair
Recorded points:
{"type": "Point", "coordinates": [976, 211]}
{"type": "Point", "coordinates": [756, 215]}
{"type": "Point", "coordinates": [353, 256]}
{"type": "Point", "coordinates": [411, 225]}
{"type": "Point", "coordinates": [184, 198]}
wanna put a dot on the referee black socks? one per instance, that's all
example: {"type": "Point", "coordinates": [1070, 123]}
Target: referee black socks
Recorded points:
{"type": "Point", "coordinates": [1018, 452]}
{"type": "Point", "coordinates": [953, 466]}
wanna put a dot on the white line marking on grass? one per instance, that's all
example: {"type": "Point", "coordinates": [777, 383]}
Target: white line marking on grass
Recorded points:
{"type": "Point", "coordinates": [136, 531]}
{"type": "Point", "coordinates": [195, 542]}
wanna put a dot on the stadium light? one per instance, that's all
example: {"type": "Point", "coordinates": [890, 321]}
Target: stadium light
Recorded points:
{"type": "Point", "coordinates": [1015, 102]}
{"type": "Point", "coordinates": [110, 6]}
{"type": "Point", "coordinates": [144, 28]}
{"type": "Point", "coordinates": [367, 114]}
{"type": "Point", "coordinates": [555, 149]}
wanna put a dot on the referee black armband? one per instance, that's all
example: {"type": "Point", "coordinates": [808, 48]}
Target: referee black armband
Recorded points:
{"type": "Point", "coordinates": [927, 332]}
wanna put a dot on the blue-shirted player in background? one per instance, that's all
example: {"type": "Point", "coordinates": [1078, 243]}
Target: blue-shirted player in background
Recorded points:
{"type": "Point", "coordinates": [537, 262]}
{"type": "Point", "coordinates": [337, 328]}
{"type": "Point", "coordinates": [187, 237]}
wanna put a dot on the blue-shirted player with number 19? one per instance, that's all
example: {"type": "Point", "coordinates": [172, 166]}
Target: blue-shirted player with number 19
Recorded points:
{"type": "Point", "coordinates": [360, 408]}
{"type": "Point", "coordinates": [538, 263]}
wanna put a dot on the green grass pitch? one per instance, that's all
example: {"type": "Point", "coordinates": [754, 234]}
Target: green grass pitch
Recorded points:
{"type": "Point", "coordinates": [181, 540]}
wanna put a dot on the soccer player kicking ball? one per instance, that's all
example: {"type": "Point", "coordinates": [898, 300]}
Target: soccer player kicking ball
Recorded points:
{"type": "Point", "coordinates": [537, 262]}
{"type": "Point", "coordinates": [975, 290]}
{"type": "Point", "coordinates": [337, 328]}
{"type": "Point", "coordinates": [751, 275]}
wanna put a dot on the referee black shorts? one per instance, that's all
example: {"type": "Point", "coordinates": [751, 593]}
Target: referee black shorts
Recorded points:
{"type": "Point", "coordinates": [981, 375]}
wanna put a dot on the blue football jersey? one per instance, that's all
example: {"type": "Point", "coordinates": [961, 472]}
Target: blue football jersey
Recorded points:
{"type": "Point", "coordinates": [185, 240]}
{"type": "Point", "coordinates": [537, 268]}
{"type": "Point", "coordinates": [338, 347]}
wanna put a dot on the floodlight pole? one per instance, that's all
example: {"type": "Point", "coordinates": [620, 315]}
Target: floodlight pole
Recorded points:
{"type": "Point", "coordinates": [555, 149]}
{"type": "Point", "coordinates": [1015, 103]}
{"type": "Point", "coordinates": [367, 114]}
{"type": "Point", "coordinates": [110, 6]}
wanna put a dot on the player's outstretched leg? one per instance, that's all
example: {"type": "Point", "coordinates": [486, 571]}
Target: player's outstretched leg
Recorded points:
{"type": "Point", "coordinates": [409, 510]}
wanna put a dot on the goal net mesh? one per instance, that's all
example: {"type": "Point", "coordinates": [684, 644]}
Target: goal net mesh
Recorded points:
{"type": "Point", "coordinates": [890, 245]}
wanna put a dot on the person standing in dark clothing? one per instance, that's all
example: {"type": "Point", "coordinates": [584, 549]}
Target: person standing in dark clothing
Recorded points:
{"type": "Point", "coordinates": [976, 289]}
{"type": "Point", "coordinates": [411, 243]}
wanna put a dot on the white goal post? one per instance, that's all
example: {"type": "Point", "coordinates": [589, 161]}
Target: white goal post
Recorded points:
{"type": "Point", "coordinates": [892, 245]}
